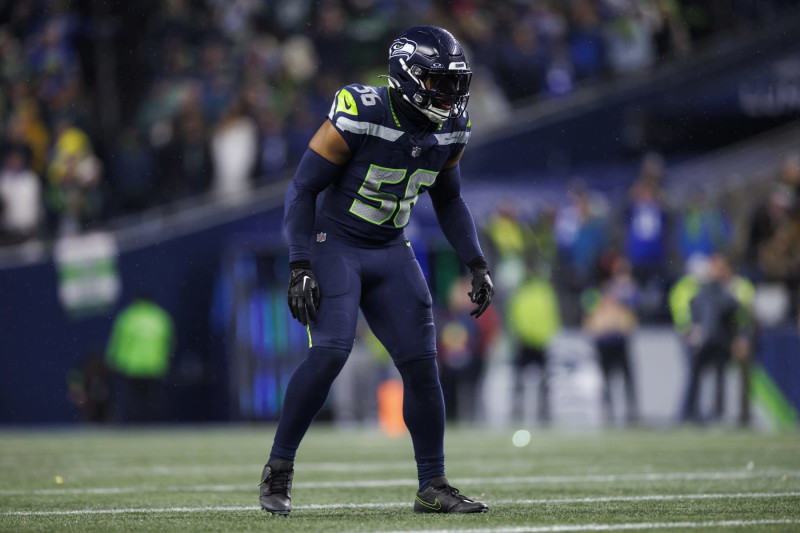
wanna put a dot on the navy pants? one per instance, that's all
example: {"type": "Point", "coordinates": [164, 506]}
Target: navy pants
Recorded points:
{"type": "Point", "coordinates": [388, 285]}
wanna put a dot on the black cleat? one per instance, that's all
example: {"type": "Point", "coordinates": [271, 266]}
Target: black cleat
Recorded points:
{"type": "Point", "coordinates": [441, 497]}
{"type": "Point", "coordinates": [276, 487]}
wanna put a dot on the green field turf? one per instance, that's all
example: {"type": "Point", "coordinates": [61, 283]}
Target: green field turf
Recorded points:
{"type": "Point", "coordinates": [205, 479]}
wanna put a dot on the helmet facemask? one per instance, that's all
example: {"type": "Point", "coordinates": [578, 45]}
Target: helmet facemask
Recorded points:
{"type": "Point", "coordinates": [437, 94]}
{"type": "Point", "coordinates": [428, 67]}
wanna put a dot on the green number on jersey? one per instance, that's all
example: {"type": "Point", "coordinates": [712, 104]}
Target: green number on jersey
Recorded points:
{"type": "Point", "coordinates": [389, 204]}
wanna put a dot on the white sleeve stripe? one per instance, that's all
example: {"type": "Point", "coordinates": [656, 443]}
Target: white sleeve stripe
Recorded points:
{"type": "Point", "coordinates": [368, 128]}
{"type": "Point", "coordinates": [454, 137]}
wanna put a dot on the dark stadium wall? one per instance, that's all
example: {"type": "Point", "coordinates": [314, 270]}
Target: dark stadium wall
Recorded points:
{"type": "Point", "coordinates": [40, 343]}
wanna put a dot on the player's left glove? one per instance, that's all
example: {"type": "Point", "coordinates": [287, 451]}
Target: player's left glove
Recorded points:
{"type": "Point", "coordinates": [482, 286]}
{"type": "Point", "coordinates": [303, 297]}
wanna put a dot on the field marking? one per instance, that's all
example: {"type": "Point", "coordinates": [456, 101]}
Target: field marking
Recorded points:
{"type": "Point", "coordinates": [103, 470]}
{"type": "Point", "coordinates": [98, 470]}
{"type": "Point", "coordinates": [594, 478]}
{"type": "Point", "coordinates": [611, 527]}
{"type": "Point", "coordinates": [383, 505]}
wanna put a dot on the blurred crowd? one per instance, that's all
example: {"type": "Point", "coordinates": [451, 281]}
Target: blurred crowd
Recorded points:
{"type": "Point", "coordinates": [108, 109]}
{"type": "Point", "coordinates": [719, 267]}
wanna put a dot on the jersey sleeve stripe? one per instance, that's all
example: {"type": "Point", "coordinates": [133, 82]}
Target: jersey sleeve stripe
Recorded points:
{"type": "Point", "coordinates": [367, 128]}
{"type": "Point", "coordinates": [454, 137]}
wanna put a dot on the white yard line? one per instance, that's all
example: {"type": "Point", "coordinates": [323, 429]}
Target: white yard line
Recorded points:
{"type": "Point", "coordinates": [409, 482]}
{"type": "Point", "coordinates": [557, 528]}
{"type": "Point", "coordinates": [100, 468]}
{"type": "Point", "coordinates": [166, 470]}
{"type": "Point", "coordinates": [658, 498]}
{"type": "Point", "coordinates": [383, 505]}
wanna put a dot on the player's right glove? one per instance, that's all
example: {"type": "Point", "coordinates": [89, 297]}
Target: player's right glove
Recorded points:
{"type": "Point", "coordinates": [303, 297]}
{"type": "Point", "coordinates": [482, 286]}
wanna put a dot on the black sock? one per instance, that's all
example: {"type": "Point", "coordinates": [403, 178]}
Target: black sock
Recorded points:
{"type": "Point", "coordinates": [305, 395]}
{"type": "Point", "coordinates": [423, 412]}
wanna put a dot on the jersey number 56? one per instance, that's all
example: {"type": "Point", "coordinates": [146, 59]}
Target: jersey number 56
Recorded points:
{"type": "Point", "coordinates": [389, 205]}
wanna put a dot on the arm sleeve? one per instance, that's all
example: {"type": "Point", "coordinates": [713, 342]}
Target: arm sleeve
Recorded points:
{"type": "Point", "coordinates": [454, 216]}
{"type": "Point", "coordinates": [313, 175]}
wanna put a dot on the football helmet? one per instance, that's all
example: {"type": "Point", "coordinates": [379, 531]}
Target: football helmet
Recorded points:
{"type": "Point", "coordinates": [428, 67]}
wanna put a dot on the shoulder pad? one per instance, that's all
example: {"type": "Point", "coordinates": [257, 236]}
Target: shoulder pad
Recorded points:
{"type": "Point", "coordinates": [356, 100]}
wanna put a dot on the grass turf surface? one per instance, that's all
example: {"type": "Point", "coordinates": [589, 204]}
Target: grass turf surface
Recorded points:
{"type": "Point", "coordinates": [205, 479]}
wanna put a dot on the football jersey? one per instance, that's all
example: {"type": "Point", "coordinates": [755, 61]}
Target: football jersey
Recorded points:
{"type": "Point", "coordinates": [390, 166]}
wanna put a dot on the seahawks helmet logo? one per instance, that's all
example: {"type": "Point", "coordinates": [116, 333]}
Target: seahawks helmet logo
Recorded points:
{"type": "Point", "coordinates": [402, 47]}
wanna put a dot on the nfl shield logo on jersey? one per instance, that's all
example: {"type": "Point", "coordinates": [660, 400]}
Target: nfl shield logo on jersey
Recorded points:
{"type": "Point", "coordinates": [321, 236]}
{"type": "Point", "coordinates": [416, 151]}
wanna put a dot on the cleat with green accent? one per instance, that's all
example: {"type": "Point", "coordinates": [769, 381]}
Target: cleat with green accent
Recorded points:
{"type": "Point", "coordinates": [276, 487]}
{"type": "Point", "coordinates": [441, 497]}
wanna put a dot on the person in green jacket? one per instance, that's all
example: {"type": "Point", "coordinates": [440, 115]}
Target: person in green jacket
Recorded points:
{"type": "Point", "coordinates": [534, 318]}
{"type": "Point", "coordinates": [139, 353]}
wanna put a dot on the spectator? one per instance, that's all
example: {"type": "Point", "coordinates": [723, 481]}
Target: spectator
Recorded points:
{"type": "Point", "coordinates": [703, 228]}
{"type": "Point", "coordinates": [670, 32]}
{"type": "Point", "coordinates": [521, 63]}
{"type": "Point", "coordinates": [581, 235]}
{"type": "Point", "coordinates": [133, 171]}
{"type": "Point", "coordinates": [629, 40]}
{"type": "Point", "coordinates": [510, 242]}
{"type": "Point", "coordinates": [789, 178]}
{"type": "Point", "coordinates": [717, 330]}
{"type": "Point", "coordinates": [273, 150]}
{"type": "Point", "coordinates": [586, 40]}
{"type": "Point", "coordinates": [533, 320]}
{"type": "Point", "coordinates": [29, 129]}
{"type": "Point", "coordinates": [462, 351]}
{"type": "Point", "coordinates": [73, 179]}
{"type": "Point", "coordinates": [682, 292]}
{"type": "Point", "coordinates": [764, 223]}
{"type": "Point", "coordinates": [646, 234]}
{"type": "Point", "coordinates": [234, 152]}
{"type": "Point", "coordinates": [610, 322]}
{"type": "Point", "coordinates": [139, 352]}
{"type": "Point", "coordinates": [186, 162]}
{"type": "Point", "coordinates": [20, 199]}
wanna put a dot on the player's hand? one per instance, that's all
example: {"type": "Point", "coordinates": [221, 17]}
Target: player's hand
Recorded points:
{"type": "Point", "coordinates": [482, 290]}
{"type": "Point", "coordinates": [303, 297]}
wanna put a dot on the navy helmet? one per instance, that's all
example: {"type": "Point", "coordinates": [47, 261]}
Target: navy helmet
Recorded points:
{"type": "Point", "coordinates": [428, 67]}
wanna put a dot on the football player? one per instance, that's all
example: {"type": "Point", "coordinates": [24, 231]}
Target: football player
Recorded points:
{"type": "Point", "coordinates": [379, 148]}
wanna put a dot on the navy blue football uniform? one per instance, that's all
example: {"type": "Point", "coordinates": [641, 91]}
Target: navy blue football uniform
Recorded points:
{"type": "Point", "coordinates": [373, 198]}
{"type": "Point", "coordinates": [357, 250]}
{"type": "Point", "coordinates": [379, 150]}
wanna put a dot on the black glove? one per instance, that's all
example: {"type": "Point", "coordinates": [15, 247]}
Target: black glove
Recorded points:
{"type": "Point", "coordinates": [303, 295]}
{"type": "Point", "coordinates": [482, 286]}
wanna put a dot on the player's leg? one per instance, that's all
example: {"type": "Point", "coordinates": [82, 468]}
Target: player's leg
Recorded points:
{"type": "Point", "coordinates": [397, 305]}
{"type": "Point", "coordinates": [331, 339]}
